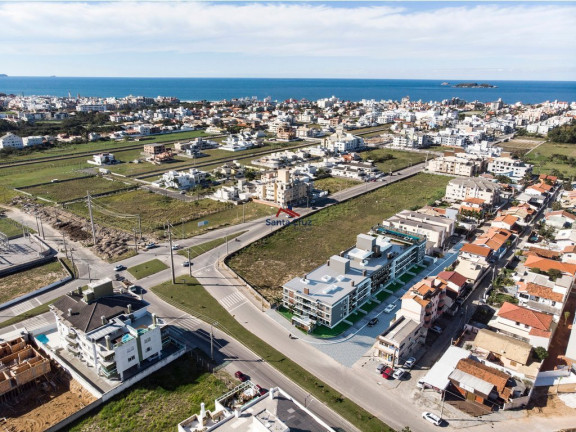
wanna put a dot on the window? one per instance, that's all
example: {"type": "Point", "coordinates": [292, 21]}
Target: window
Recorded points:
{"type": "Point", "coordinates": [148, 339]}
{"type": "Point", "coordinates": [131, 358]}
{"type": "Point", "coordinates": [148, 349]}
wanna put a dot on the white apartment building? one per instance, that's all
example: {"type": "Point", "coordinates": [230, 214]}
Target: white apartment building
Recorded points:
{"type": "Point", "coordinates": [437, 230]}
{"type": "Point", "coordinates": [412, 141]}
{"type": "Point", "coordinates": [342, 142]}
{"type": "Point", "coordinates": [399, 341]}
{"type": "Point", "coordinates": [11, 141]}
{"type": "Point", "coordinates": [457, 165]}
{"type": "Point", "coordinates": [331, 292]}
{"type": "Point", "coordinates": [90, 107]}
{"type": "Point", "coordinates": [32, 141]}
{"type": "Point", "coordinates": [114, 334]}
{"type": "Point", "coordinates": [513, 168]}
{"type": "Point", "coordinates": [459, 189]}
{"type": "Point", "coordinates": [180, 179]}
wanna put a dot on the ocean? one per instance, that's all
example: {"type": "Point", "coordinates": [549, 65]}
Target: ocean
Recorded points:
{"type": "Point", "coordinates": [212, 89]}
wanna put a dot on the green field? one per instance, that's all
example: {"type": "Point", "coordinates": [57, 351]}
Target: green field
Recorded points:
{"type": "Point", "coordinates": [156, 210]}
{"type": "Point", "coordinates": [190, 296]}
{"type": "Point", "coordinates": [148, 268]}
{"type": "Point", "coordinates": [521, 145]}
{"type": "Point", "coordinates": [545, 163]}
{"type": "Point", "coordinates": [76, 189]}
{"type": "Point", "coordinates": [177, 136]}
{"type": "Point", "coordinates": [333, 229]}
{"type": "Point", "coordinates": [10, 227]}
{"type": "Point", "coordinates": [208, 246]}
{"type": "Point", "coordinates": [335, 184]}
{"type": "Point", "coordinates": [21, 283]}
{"type": "Point", "coordinates": [400, 159]}
{"type": "Point", "coordinates": [159, 402]}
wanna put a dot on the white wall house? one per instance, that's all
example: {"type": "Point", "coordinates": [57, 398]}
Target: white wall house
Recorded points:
{"type": "Point", "coordinates": [11, 141]}
{"type": "Point", "coordinates": [513, 168]}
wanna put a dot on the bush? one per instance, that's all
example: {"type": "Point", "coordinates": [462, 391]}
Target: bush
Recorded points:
{"type": "Point", "coordinates": [540, 353]}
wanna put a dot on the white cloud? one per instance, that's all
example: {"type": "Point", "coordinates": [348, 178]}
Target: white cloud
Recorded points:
{"type": "Point", "coordinates": [487, 36]}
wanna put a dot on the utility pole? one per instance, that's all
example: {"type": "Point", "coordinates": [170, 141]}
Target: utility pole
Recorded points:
{"type": "Point", "coordinates": [91, 218]}
{"type": "Point", "coordinates": [226, 244]}
{"type": "Point", "coordinates": [42, 227]}
{"type": "Point", "coordinates": [135, 239]}
{"type": "Point", "coordinates": [65, 246]}
{"type": "Point", "coordinates": [189, 263]}
{"type": "Point", "coordinates": [37, 224]}
{"type": "Point", "coordinates": [243, 212]}
{"type": "Point", "coordinates": [73, 264]}
{"type": "Point", "coordinates": [171, 253]}
{"type": "Point", "coordinates": [89, 276]}
{"type": "Point", "coordinates": [140, 226]}
{"type": "Point", "coordinates": [211, 343]}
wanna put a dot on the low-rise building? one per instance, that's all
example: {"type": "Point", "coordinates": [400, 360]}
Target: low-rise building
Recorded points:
{"type": "Point", "coordinates": [331, 292]}
{"type": "Point", "coordinates": [30, 141]}
{"type": "Point", "coordinates": [525, 324]}
{"type": "Point", "coordinates": [154, 149]}
{"type": "Point", "coordinates": [464, 165]}
{"type": "Point", "coordinates": [513, 168]}
{"type": "Point", "coordinates": [281, 188]}
{"type": "Point", "coordinates": [399, 341]}
{"type": "Point", "coordinates": [114, 334]}
{"type": "Point", "coordinates": [11, 141]}
{"type": "Point", "coordinates": [425, 302]}
{"type": "Point", "coordinates": [459, 189]}
{"type": "Point", "coordinates": [102, 159]}
{"type": "Point", "coordinates": [342, 142]}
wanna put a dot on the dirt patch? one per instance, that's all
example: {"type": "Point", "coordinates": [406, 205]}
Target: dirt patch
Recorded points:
{"type": "Point", "coordinates": [15, 285]}
{"type": "Point", "coordinates": [44, 404]}
{"type": "Point", "coordinates": [110, 244]}
{"type": "Point", "coordinates": [544, 404]}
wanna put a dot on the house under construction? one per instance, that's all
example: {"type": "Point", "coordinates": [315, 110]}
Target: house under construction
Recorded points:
{"type": "Point", "coordinates": [20, 363]}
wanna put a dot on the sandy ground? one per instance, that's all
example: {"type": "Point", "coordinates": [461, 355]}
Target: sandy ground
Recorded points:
{"type": "Point", "coordinates": [543, 404]}
{"type": "Point", "coordinates": [38, 407]}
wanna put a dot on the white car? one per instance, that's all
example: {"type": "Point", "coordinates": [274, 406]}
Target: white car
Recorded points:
{"type": "Point", "coordinates": [119, 267]}
{"type": "Point", "coordinates": [380, 367]}
{"type": "Point", "coordinates": [186, 264]}
{"type": "Point", "coordinates": [390, 308]}
{"type": "Point", "coordinates": [176, 247]}
{"type": "Point", "coordinates": [410, 362]}
{"type": "Point", "coordinates": [432, 418]}
{"type": "Point", "coordinates": [399, 373]}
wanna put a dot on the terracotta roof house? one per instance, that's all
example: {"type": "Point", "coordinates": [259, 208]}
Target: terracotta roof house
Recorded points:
{"type": "Point", "coordinates": [544, 264]}
{"type": "Point", "coordinates": [506, 222]}
{"type": "Point", "coordinates": [455, 281]}
{"type": "Point", "coordinates": [480, 383]}
{"type": "Point", "coordinates": [475, 253]}
{"type": "Point", "coordinates": [497, 239]}
{"type": "Point", "coordinates": [526, 324]}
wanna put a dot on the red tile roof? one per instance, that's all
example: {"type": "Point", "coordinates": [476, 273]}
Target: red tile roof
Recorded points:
{"type": "Point", "coordinates": [474, 249]}
{"type": "Point", "coordinates": [545, 264]}
{"type": "Point", "coordinates": [560, 213]}
{"type": "Point", "coordinates": [534, 319]}
{"type": "Point", "coordinates": [544, 292]}
{"type": "Point", "coordinates": [485, 373]}
{"type": "Point", "coordinates": [454, 277]}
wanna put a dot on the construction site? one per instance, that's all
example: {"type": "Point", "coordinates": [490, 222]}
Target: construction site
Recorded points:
{"type": "Point", "coordinates": [34, 392]}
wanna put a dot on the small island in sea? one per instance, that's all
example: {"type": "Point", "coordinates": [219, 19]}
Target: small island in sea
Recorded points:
{"type": "Point", "coordinates": [445, 83]}
{"type": "Point", "coordinates": [474, 85]}
{"type": "Point", "coordinates": [3, 75]}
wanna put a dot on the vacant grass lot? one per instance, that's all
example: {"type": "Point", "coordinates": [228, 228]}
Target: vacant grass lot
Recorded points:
{"type": "Point", "coordinates": [157, 209]}
{"type": "Point", "coordinates": [157, 403]}
{"type": "Point", "coordinates": [76, 189]}
{"type": "Point", "coordinates": [540, 157]}
{"type": "Point", "coordinates": [268, 263]}
{"type": "Point", "coordinates": [17, 284]}
{"type": "Point", "coordinates": [335, 184]}
{"type": "Point", "coordinates": [10, 227]}
{"type": "Point", "coordinates": [27, 175]}
{"type": "Point", "coordinates": [187, 294]}
{"type": "Point", "coordinates": [148, 268]}
{"type": "Point", "coordinates": [521, 145]}
{"type": "Point", "coordinates": [177, 136]}
{"type": "Point", "coordinates": [400, 159]}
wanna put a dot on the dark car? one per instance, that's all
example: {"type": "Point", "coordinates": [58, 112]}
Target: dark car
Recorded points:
{"type": "Point", "coordinates": [240, 376]}
{"type": "Point", "coordinates": [387, 372]}
{"type": "Point", "coordinates": [372, 322]}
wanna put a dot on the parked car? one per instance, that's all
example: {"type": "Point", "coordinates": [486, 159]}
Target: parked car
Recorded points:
{"type": "Point", "coordinates": [261, 391]}
{"type": "Point", "coordinates": [119, 277]}
{"type": "Point", "coordinates": [119, 267]}
{"type": "Point", "coordinates": [387, 372]}
{"type": "Point", "coordinates": [372, 322]}
{"type": "Point", "coordinates": [175, 247]}
{"type": "Point", "coordinates": [437, 329]}
{"type": "Point", "coordinates": [186, 264]}
{"type": "Point", "coordinates": [390, 308]}
{"type": "Point", "coordinates": [432, 418]}
{"type": "Point", "coordinates": [137, 289]}
{"type": "Point", "coordinates": [380, 367]}
{"type": "Point", "coordinates": [399, 373]}
{"type": "Point", "coordinates": [240, 376]}
{"type": "Point", "coordinates": [410, 362]}
{"type": "Point", "coordinates": [420, 384]}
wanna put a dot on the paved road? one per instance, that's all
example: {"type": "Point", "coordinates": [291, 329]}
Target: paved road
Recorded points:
{"type": "Point", "coordinates": [364, 389]}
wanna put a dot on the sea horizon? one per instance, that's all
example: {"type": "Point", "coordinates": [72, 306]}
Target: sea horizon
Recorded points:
{"type": "Point", "coordinates": [353, 89]}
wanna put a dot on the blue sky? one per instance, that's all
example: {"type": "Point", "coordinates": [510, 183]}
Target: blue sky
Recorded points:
{"type": "Point", "coordinates": [438, 40]}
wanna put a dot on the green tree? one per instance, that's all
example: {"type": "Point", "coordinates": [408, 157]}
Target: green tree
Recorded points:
{"type": "Point", "coordinates": [554, 274]}
{"type": "Point", "coordinates": [556, 206]}
{"type": "Point", "coordinates": [540, 353]}
{"type": "Point", "coordinates": [566, 316]}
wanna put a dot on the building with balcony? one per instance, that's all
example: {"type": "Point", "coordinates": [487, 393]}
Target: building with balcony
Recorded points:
{"type": "Point", "coordinates": [331, 292]}
{"type": "Point", "coordinates": [505, 165]}
{"type": "Point", "coordinates": [425, 302]}
{"type": "Point", "coordinates": [114, 334]}
{"type": "Point", "coordinates": [464, 165]}
{"type": "Point", "coordinates": [459, 189]}
{"type": "Point", "coordinates": [282, 189]}
{"type": "Point", "coordinates": [399, 341]}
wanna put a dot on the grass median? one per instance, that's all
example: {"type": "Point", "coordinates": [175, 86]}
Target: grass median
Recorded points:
{"type": "Point", "coordinates": [148, 268]}
{"type": "Point", "coordinates": [205, 247]}
{"type": "Point", "coordinates": [190, 296]}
